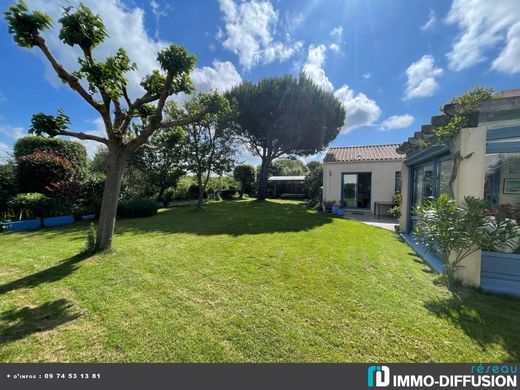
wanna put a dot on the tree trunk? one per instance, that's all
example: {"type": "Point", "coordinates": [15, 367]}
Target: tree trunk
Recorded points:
{"type": "Point", "coordinates": [200, 200]}
{"type": "Point", "coordinates": [107, 217]}
{"type": "Point", "coordinates": [242, 185]}
{"type": "Point", "coordinates": [264, 173]}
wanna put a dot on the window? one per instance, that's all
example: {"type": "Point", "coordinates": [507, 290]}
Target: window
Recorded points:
{"type": "Point", "coordinates": [502, 190]}
{"type": "Point", "coordinates": [356, 191]}
{"type": "Point", "coordinates": [397, 184]}
{"type": "Point", "coordinates": [445, 170]}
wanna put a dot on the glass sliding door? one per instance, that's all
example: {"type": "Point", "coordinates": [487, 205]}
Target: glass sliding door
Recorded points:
{"type": "Point", "coordinates": [357, 189]}
{"type": "Point", "coordinates": [349, 190]}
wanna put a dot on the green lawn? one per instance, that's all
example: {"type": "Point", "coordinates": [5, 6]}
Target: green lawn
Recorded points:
{"type": "Point", "coordinates": [240, 281]}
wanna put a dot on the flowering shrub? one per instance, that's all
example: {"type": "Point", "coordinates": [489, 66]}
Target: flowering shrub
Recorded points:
{"type": "Point", "coordinates": [40, 169]}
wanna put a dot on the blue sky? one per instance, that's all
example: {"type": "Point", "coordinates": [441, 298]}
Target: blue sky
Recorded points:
{"type": "Point", "coordinates": [392, 63]}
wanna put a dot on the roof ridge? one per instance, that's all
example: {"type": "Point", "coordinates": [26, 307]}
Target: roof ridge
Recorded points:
{"type": "Point", "coordinates": [362, 146]}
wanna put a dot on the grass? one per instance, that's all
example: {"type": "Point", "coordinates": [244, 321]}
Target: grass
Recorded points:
{"type": "Point", "coordinates": [240, 281]}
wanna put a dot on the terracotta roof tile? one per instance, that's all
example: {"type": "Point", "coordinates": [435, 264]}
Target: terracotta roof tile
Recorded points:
{"type": "Point", "coordinates": [364, 153]}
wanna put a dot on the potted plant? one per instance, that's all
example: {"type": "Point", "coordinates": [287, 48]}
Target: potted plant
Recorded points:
{"type": "Point", "coordinates": [328, 205]}
{"type": "Point", "coordinates": [341, 209]}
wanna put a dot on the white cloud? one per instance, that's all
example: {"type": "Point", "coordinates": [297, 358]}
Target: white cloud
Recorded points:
{"type": "Point", "coordinates": [336, 33]}
{"type": "Point", "coordinates": [222, 76]}
{"type": "Point", "coordinates": [334, 47]}
{"type": "Point", "coordinates": [366, 76]}
{"type": "Point", "coordinates": [397, 122]}
{"type": "Point", "coordinates": [5, 152]}
{"type": "Point", "coordinates": [13, 132]}
{"type": "Point", "coordinates": [249, 30]}
{"type": "Point", "coordinates": [313, 68]}
{"type": "Point", "coordinates": [422, 78]}
{"type": "Point", "coordinates": [361, 110]}
{"type": "Point", "coordinates": [158, 10]}
{"type": "Point", "coordinates": [509, 59]}
{"type": "Point", "coordinates": [430, 23]}
{"type": "Point", "coordinates": [485, 25]}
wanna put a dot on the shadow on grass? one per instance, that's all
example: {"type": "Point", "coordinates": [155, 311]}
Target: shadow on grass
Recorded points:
{"type": "Point", "coordinates": [485, 318]}
{"type": "Point", "coordinates": [20, 323]}
{"type": "Point", "coordinates": [48, 275]}
{"type": "Point", "coordinates": [231, 217]}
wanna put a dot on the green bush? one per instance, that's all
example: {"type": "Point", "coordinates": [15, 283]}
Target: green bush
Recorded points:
{"type": "Point", "coordinates": [90, 242]}
{"type": "Point", "coordinates": [70, 150]}
{"type": "Point", "coordinates": [193, 192]}
{"type": "Point", "coordinates": [137, 208]}
{"type": "Point", "coordinates": [229, 193]}
{"type": "Point", "coordinates": [28, 206]}
{"type": "Point", "coordinates": [73, 151]}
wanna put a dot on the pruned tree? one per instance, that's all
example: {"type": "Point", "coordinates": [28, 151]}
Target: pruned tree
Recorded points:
{"type": "Point", "coordinates": [245, 175]}
{"type": "Point", "coordinates": [103, 85]}
{"type": "Point", "coordinates": [208, 145]}
{"type": "Point", "coordinates": [285, 116]}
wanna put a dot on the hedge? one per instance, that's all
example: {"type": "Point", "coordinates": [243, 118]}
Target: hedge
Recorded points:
{"type": "Point", "coordinates": [71, 150]}
{"type": "Point", "coordinates": [137, 208]}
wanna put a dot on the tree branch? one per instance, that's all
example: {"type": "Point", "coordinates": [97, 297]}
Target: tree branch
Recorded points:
{"type": "Point", "coordinates": [71, 80]}
{"type": "Point", "coordinates": [84, 136]}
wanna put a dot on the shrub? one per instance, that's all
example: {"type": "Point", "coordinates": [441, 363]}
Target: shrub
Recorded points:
{"type": "Point", "coordinates": [395, 211]}
{"type": "Point", "coordinates": [28, 206]}
{"type": "Point", "coordinates": [73, 151]}
{"type": "Point", "coordinates": [229, 193]}
{"type": "Point", "coordinates": [137, 208]}
{"type": "Point", "coordinates": [90, 243]}
{"type": "Point", "coordinates": [455, 232]}
{"type": "Point", "coordinates": [193, 192]}
{"type": "Point", "coordinates": [38, 170]}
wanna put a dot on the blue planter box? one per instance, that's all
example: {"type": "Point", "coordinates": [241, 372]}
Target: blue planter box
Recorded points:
{"type": "Point", "coordinates": [334, 209]}
{"type": "Point", "coordinates": [89, 217]}
{"type": "Point", "coordinates": [57, 221]}
{"type": "Point", "coordinates": [340, 211]}
{"type": "Point", "coordinates": [18, 226]}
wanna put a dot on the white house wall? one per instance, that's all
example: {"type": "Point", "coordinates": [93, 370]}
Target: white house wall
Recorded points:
{"type": "Point", "coordinates": [383, 178]}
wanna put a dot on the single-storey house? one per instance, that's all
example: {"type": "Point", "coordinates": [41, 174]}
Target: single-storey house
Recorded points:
{"type": "Point", "coordinates": [287, 187]}
{"type": "Point", "coordinates": [491, 171]}
{"type": "Point", "coordinates": [363, 177]}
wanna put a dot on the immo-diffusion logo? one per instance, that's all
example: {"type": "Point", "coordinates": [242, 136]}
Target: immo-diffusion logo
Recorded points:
{"type": "Point", "coordinates": [378, 376]}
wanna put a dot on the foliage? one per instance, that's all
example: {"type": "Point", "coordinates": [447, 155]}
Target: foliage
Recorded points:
{"type": "Point", "coordinates": [229, 193]}
{"type": "Point", "coordinates": [208, 146]}
{"type": "Point", "coordinates": [397, 199]}
{"type": "Point", "coordinates": [311, 165]}
{"type": "Point", "coordinates": [137, 208]}
{"type": "Point", "coordinates": [288, 167]}
{"type": "Point", "coordinates": [90, 242]}
{"type": "Point", "coordinates": [82, 28]}
{"type": "Point", "coordinates": [28, 205]}
{"type": "Point", "coordinates": [245, 175]}
{"type": "Point", "coordinates": [42, 124]}
{"type": "Point", "coordinates": [285, 116]}
{"type": "Point", "coordinates": [26, 27]}
{"type": "Point", "coordinates": [159, 162]}
{"type": "Point", "coordinates": [455, 232]}
{"type": "Point", "coordinates": [36, 171]}
{"type": "Point", "coordinates": [313, 183]}
{"type": "Point", "coordinates": [73, 151]}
